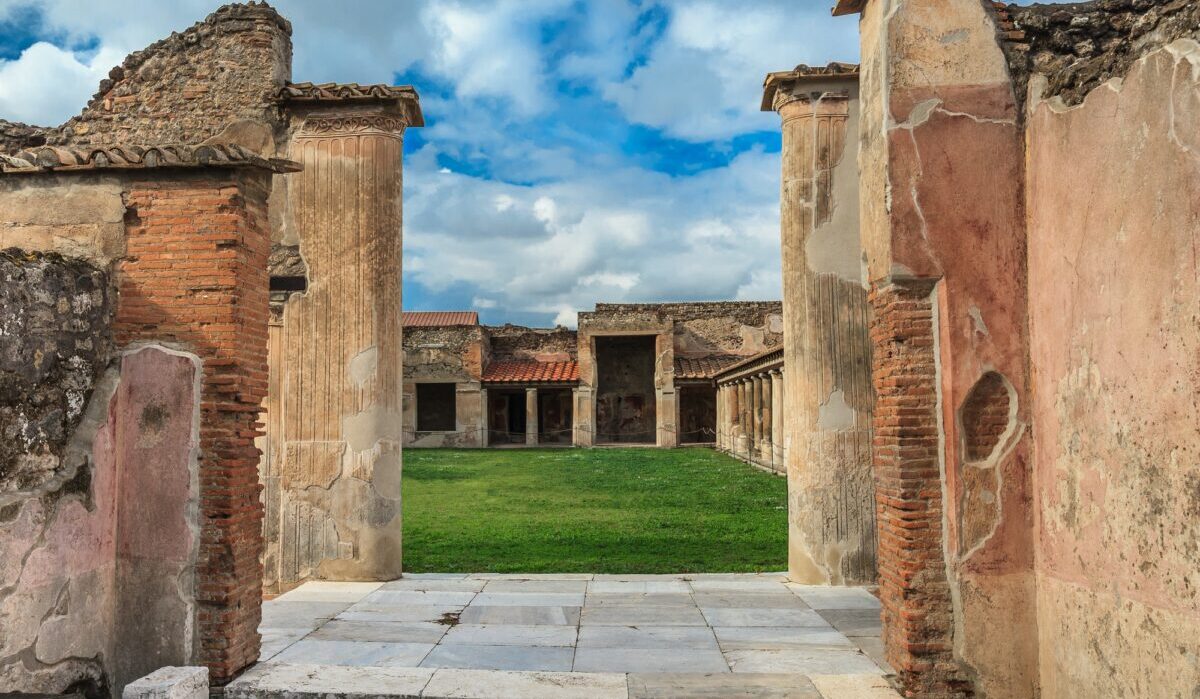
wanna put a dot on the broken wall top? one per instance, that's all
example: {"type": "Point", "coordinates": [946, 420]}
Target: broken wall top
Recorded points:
{"type": "Point", "coordinates": [191, 86]}
{"type": "Point", "coordinates": [1079, 46]}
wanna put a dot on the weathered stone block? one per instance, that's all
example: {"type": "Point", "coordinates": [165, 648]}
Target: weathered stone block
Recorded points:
{"type": "Point", "coordinates": [170, 683]}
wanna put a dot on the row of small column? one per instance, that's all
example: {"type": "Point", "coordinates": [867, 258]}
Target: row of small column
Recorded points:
{"type": "Point", "coordinates": [750, 418]}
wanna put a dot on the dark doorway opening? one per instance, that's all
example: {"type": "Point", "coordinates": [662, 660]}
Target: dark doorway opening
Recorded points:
{"type": "Point", "coordinates": [554, 415]}
{"type": "Point", "coordinates": [506, 416]}
{"type": "Point", "coordinates": [625, 396]}
{"type": "Point", "coordinates": [697, 414]}
{"type": "Point", "coordinates": [435, 407]}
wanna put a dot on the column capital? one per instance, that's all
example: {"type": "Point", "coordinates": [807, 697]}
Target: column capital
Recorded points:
{"type": "Point", "coordinates": [807, 84]}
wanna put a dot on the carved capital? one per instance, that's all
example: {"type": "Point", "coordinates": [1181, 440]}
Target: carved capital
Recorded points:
{"type": "Point", "coordinates": [338, 124]}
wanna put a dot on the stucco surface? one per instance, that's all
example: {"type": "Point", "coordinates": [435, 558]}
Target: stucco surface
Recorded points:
{"type": "Point", "coordinates": [950, 208]}
{"type": "Point", "coordinates": [95, 580]}
{"type": "Point", "coordinates": [1114, 293]}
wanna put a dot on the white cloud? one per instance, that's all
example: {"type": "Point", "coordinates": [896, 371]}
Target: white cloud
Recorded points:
{"type": "Point", "coordinates": [703, 80]}
{"type": "Point", "coordinates": [480, 302]}
{"type": "Point", "coordinates": [23, 81]}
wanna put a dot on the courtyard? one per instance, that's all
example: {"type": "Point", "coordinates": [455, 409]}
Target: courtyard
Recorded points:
{"type": "Point", "coordinates": [609, 510]}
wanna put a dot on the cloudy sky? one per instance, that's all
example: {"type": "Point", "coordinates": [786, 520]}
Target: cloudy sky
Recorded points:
{"type": "Point", "coordinates": [575, 150]}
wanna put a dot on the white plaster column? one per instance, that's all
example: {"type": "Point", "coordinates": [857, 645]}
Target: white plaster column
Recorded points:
{"type": "Point", "coordinates": [768, 433]}
{"type": "Point", "coordinates": [756, 415]}
{"type": "Point", "coordinates": [531, 417]}
{"type": "Point", "coordinates": [484, 433]}
{"type": "Point", "coordinates": [777, 418]}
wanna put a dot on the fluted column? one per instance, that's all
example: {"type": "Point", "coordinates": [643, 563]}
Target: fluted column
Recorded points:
{"type": "Point", "coordinates": [756, 416]}
{"type": "Point", "coordinates": [743, 442]}
{"type": "Point", "coordinates": [777, 418]}
{"type": "Point", "coordinates": [340, 364]}
{"type": "Point", "coordinates": [718, 437]}
{"type": "Point", "coordinates": [827, 385]}
{"type": "Point", "coordinates": [767, 417]}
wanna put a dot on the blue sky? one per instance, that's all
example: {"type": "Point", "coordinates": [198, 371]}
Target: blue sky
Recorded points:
{"type": "Point", "coordinates": [575, 151]}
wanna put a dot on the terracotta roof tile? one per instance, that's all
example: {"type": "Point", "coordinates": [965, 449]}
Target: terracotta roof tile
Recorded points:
{"type": "Point", "coordinates": [439, 319]}
{"type": "Point", "coordinates": [122, 157]}
{"type": "Point", "coordinates": [531, 371]}
{"type": "Point", "coordinates": [342, 92]}
{"type": "Point", "coordinates": [702, 367]}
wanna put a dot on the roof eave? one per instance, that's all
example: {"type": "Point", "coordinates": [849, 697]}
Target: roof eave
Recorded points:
{"type": "Point", "coordinates": [848, 7]}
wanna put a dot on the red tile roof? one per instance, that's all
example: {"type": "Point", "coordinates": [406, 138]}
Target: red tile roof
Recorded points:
{"type": "Point", "coordinates": [530, 371]}
{"type": "Point", "coordinates": [437, 319]}
{"type": "Point", "coordinates": [702, 367]}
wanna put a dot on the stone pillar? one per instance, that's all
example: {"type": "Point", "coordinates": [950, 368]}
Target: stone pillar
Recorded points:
{"type": "Point", "coordinates": [777, 419]}
{"type": "Point", "coordinates": [731, 424]}
{"type": "Point", "coordinates": [756, 415]}
{"type": "Point", "coordinates": [484, 433]}
{"type": "Point", "coordinates": [831, 496]}
{"type": "Point", "coordinates": [768, 433]}
{"type": "Point", "coordinates": [531, 417]}
{"type": "Point", "coordinates": [743, 437]}
{"type": "Point", "coordinates": [341, 359]}
{"type": "Point", "coordinates": [720, 414]}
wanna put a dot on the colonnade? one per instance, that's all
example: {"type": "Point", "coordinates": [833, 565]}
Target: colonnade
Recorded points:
{"type": "Point", "coordinates": [750, 414]}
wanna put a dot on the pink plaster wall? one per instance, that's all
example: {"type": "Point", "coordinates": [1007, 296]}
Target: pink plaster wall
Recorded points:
{"type": "Point", "coordinates": [97, 585]}
{"type": "Point", "coordinates": [1114, 216]}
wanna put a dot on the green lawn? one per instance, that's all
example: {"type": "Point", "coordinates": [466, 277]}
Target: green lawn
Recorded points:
{"type": "Point", "coordinates": [590, 510]}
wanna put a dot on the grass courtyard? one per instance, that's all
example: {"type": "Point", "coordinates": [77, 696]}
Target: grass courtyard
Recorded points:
{"type": "Point", "coordinates": [590, 510]}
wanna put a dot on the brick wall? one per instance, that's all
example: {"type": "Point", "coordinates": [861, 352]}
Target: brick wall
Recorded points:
{"type": "Point", "coordinates": [195, 276]}
{"type": "Point", "coordinates": [984, 416]}
{"type": "Point", "coordinates": [917, 611]}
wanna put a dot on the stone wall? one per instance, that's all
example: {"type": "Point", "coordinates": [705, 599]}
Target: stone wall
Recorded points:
{"type": "Point", "coordinates": [1078, 47]}
{"type": "Point", "coordinates": [216, 80]}
{"type": "Point", "coordinates": [1035, 285]}
{"type": "Point", "coordinates": [54, 329]}
{"type": "Point", "coordinates": [539, 344]}
{"type": "Point", "coordinates": [707, 328]}
{"type": "Point", "coordinates": [1114, 292]}
{"type": "Point", "coordinates": [454, 354]}
{"type": "Point", "coordinates": [133, 544]}
{"type": "Point", "coordinates": [943, 225]}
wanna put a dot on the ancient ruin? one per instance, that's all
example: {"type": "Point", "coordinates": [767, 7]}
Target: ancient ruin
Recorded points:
{"type": "Point", "coordinates": [631, 374]}
{"type": "Point", "coordinates": [981, 382]}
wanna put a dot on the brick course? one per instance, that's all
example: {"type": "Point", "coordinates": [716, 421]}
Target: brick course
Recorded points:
{"type": "Point", "coordinates": [917, 611]}
{"type": "Point", "coordinates": [195, 277]}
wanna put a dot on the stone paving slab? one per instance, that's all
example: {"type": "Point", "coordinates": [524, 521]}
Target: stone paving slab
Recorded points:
{"type": "Point", "coordinates": [778, 638]}
{"type": "Point", "coordinates": [528, 599]}
{"type": "Point", "coordinates": [512, 635]}
{"type": "Point", "coordinates": [721, 686]}
{"type": "Point", "coordinates": [642, 615]}
{"type": "Point", "coordinates": [324, 591]}
{"type": "Point", "coordinates": [638, 586]}
{"type": "Point", "coordinates": [699, 660]}
{"type": "Point", "coordinates": [386, 631]}
{"type": "Point", "coordinates": [404, 598]}
{"type": "Point", "coordinates": [652, 599]}
{"type": "Point", "coordinates": [721, 616]}
{"type": "Point", "coordinates": [493, 657]}
{"type": "Point", "coordinates": [747, 600]}
{"type": "Point", "coordinates": [435, 585]}
{"type": "Point", "coordinates": [723, 635]}
{"type": "Point", "coordinates": [854, 622]}
{"type": "Point", "coordinates": [476, 684]}
{"type": "Point", "coordinates": [819, 597]}
{"type": "Point", "coordinates": [659, 637]}
{"type": "Point", "coordinates": [415, 612]}
{"type": "Point", "coordinates": [853, 687]}
{"type": "Point", "coordinates": [531, 616]}
{"type": "Point", "coordinates": [308, 680]}
{"type": "Point", "coordinates": [375, 653]}
{"type": "Point", "coordinates": [804, 661]}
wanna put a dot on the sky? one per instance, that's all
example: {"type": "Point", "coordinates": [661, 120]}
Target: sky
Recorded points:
{"type": "Point", "coordinates": [575, 151]}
